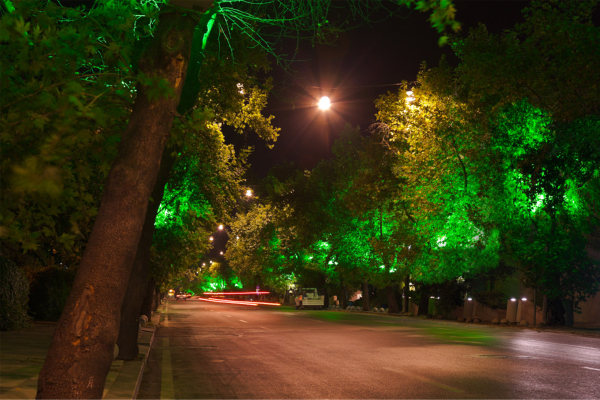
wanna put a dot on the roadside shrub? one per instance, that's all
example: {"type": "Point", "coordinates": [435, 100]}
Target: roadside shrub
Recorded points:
{"type": "Point", "coordinates": [48, 292]}
{"type": "Point", "coordinates": [14, 290]}
{"type": "Point", "coordinates": [494, 299]}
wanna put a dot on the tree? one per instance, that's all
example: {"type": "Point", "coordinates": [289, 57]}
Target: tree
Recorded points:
{"type": "Point", "coordinates": [536, 83]}
{"type": "Point", "coordinates": [498, 155]}
{"type": "Point", "coordinates": [436, 141]}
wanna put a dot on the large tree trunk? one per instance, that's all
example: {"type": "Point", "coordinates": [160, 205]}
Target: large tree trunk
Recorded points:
{"type": "Point", "coordinates": [393, 307]}
{"type": "Point", "coordinates": [131, 309]}
{"type": "Point", "coordinates": [366, 306]}
{"type": "Point", "coordinates": [138, 279]}
{"type": "Point", "coordinates": [147, 304]}
{"type": "Point", "coordinates": [82, 347]}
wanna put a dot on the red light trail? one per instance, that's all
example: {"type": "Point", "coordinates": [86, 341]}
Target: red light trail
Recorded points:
{"type": "Point", "coordinates": [240, 302]}
{"type": "Point", "coordinates": [234, 293]}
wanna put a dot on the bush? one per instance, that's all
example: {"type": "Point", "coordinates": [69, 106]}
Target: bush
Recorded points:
{"type": "Point", "coordinates": [14, 290]}
{"type": "Point", "coordinates": [492, 298]}
{"type": "Point", "coordinates": [49, 289]}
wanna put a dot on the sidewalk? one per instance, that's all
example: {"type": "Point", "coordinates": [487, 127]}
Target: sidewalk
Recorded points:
{"type": "Point", "coordinates": [22, 354]}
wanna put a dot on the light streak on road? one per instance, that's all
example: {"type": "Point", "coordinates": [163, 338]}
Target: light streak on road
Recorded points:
{"type": "Point", "coordinates": [226, 302]}
{"type": "Point", "coordinates": [234, 293]}
{"type": "Point", "coordinates": [241, 302]}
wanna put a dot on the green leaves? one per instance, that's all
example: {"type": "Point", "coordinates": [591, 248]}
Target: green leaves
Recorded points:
{"type": "Point", "coordinates": [63, 108]}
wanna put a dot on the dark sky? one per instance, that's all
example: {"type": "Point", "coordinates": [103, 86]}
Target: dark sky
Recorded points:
{"type": "Point", "coordinates": [354, 72]}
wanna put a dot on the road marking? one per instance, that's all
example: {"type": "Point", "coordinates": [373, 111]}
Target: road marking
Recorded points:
{"type": "Point", "coordinates": [593, 369]}
{"type": "Point", "coordinates": [167, 390]}
{"type": "Point", "coordinates": [241, 320]}
{"type": "Point", "coordinates": [440, 385]}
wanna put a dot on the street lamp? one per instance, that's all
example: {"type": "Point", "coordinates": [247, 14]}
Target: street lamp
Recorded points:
{"type": "Point", "coordinates": [221, 227]}
{"type": "Point", "coordinates": [324, 103]}
{"type": "Point", "coordinates": [211, 238]}
{"type": "Point", "coordinates": [249, 193]}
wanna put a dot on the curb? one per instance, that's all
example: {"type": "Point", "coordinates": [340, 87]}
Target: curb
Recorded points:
{"type": "Point", "coordinates": [144, 362]}
{"type": "Point", "coordinates": [127, 383]}
{"type": "Point", "coordinates": [156, 323]}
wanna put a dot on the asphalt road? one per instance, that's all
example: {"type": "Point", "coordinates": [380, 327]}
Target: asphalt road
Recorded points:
{"type": "Point", "coordinates": [207, 350]}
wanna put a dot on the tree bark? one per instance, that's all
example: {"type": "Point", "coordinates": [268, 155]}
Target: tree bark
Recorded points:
{"type": "Point", "coordinates": [81, 353]}
{"type": "Point", "coordinates": [393, 307]}
{"type": "Point", "coordinates": [147, 304]}
{"type": "Point", "coordinates": [365, 296]}
{"type": "Point", "coordinates": [138, 279]}
{"type": "Point", "coordinates": [131, 309]}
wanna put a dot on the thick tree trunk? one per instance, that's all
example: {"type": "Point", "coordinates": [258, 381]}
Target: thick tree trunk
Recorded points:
{"type": "Point", "coordinates": [147, 304]}
{"type": "Point", "coordinates": [82, 347]}
{"type": "Point", "coordinates": [393, 307]}
{"type": "Point", "coordinates": [424, 301]}
{"type": "Point", "coordinates": [131, 309]}
{"type": "Point", "coordinates": [366, 306]}
{"type": "Point", "coordinates": [138, 279]}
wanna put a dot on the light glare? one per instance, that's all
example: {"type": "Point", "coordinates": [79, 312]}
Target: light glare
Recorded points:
{"type": "Point", "coordinates": [324, 103]}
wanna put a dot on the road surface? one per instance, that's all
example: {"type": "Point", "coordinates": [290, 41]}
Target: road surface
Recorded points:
{"type": "Point", "coordinates": [207, 350]}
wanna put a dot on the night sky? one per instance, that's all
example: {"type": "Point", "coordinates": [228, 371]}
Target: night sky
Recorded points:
{"type": "Point", "coordinates": [362, 65]}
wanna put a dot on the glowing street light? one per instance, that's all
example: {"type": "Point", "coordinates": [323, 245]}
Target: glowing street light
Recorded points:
{"type": "Point", "coordinates": [211, 238]}
{"type": "Point", "coordinates": [221, 253]}
{"type": "Point", "coordinates": [324, 103]}
{"type": "Point", "coordinates": [221, 227]}
{"type": "Point", "coordinates": [409, 96]}
{"type": "Point", "coordinates": [249, 193]}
